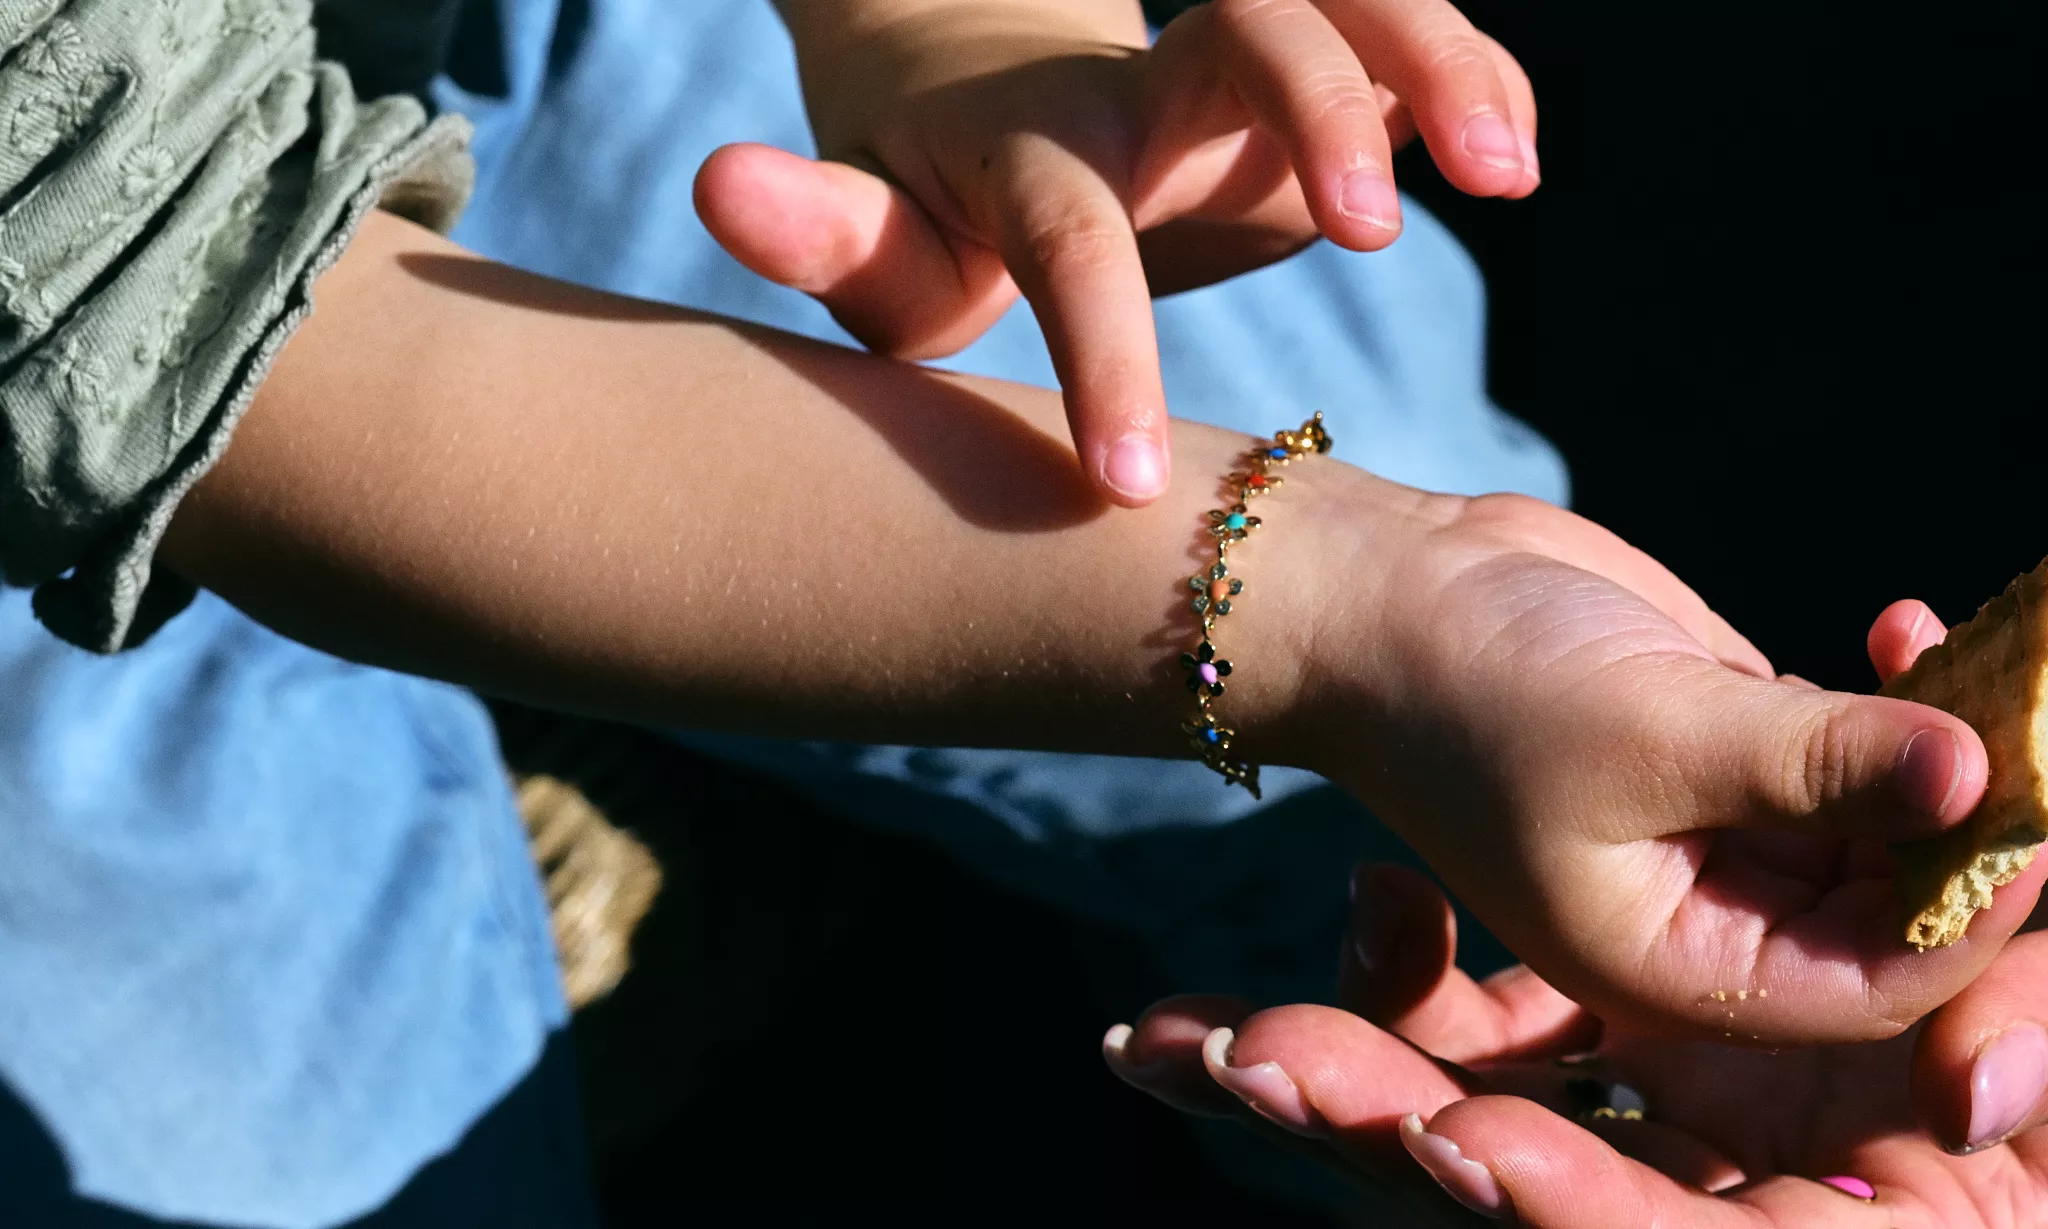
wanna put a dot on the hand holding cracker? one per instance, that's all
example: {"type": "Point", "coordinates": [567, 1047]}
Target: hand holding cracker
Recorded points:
{"type": "Point", "coordinates": [1621, 788]}
{"type": "Point", "coordinates": [1991, 672]}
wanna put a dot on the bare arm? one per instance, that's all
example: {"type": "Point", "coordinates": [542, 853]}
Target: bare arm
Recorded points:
{"type": "Point", "coordinates": [591, 502]}
{"type": "Point", "coordinates": [468, 472]}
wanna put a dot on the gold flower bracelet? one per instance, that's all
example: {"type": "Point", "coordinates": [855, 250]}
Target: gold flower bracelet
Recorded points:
{"type": "Point", "coordinates": [1215, 589]}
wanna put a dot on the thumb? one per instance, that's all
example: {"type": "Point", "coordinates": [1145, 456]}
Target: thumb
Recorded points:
{"type": "Point", "coordinates": [893, 277]}
{"type": "Point", "coordinates": [1765, 753]}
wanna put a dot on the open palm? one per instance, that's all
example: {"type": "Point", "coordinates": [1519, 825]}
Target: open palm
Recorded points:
{"type": "Point", "coordinates": [1732, 1136]}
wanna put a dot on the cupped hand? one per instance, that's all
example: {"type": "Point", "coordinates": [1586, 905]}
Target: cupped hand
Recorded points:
{"type": "Point", "coordinates": [972, 149]}
{"type": "Point", "coordinates": [1505, 1081]}
{"type": "Point", "coordinates": [1619, 788]}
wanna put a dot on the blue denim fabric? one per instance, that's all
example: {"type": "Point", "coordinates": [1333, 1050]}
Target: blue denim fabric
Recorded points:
{"type": "Point", "coordinates": [586, 164]}
{"type": "Point", "coordinates": [270, 938]}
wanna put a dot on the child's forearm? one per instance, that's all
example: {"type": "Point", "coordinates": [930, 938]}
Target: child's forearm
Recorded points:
{"type": "Point", "coordinates": [586, 501]}
{"type": "Point", "coordinates": [468, 472]}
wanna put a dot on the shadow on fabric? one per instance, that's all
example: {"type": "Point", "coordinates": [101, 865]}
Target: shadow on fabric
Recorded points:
{"type": "Point", "coordinates": [521, 1166]}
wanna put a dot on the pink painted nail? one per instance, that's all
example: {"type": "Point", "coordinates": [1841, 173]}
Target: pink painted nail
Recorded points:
{"type": "Point", "coordinates": [1264, 1087]}
{"type": "Point", "coordinates": [1370, 197]}
{"type": "Point", "coordinates": [1851, 1186]}
{"type": "Point", "coordinates": [1466, 1180]}
{"type": "Point", "coordinates": [2006, 1083]}
{"type": "Point", "coordinates": [1488, 138]}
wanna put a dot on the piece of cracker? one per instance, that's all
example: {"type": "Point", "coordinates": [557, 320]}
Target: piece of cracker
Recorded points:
{"type": "Point", "coordinates": [1993, 673]}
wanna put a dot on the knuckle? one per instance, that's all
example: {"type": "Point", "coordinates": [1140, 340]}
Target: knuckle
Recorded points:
{"type": "Point", "coordinates": [1236, 16]}
{"type": "Point", "coordinates": [1452, 52]}
{"type": "Point", "coordinates": [1072, 238]}
{"type": "Point", "coordinates": [1335, 92]}
{"type": "Point", "coordinates": [1521, 519]}
{"type": "Point", "coordinates": [1818, 763]}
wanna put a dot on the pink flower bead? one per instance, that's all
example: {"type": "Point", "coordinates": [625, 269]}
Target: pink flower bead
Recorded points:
{"type": "Point", "coordinates": [1207, 673]}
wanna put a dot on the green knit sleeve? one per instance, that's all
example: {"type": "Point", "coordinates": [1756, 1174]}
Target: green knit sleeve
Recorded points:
{"type": "Point", "coordinates": [174, 174]}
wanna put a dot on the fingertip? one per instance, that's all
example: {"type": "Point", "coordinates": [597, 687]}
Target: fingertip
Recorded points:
{"type": "Point", "coordinates": [1977, 1065]}
{"type": "Point", "coordinates": [1161, 1055]}
{"type": "Point", "coordinates": [1489, 155]}
{"type": "Point", "coordinates": [804, 224]}
{"type": "Point", "coordinates": [1471, 1182]}
{"type": "Point", "coordinates": [1136, 469]}
{"type": "Point", "coordinates": [1403, 940]}
{"type": "Point", "coordinates": [1368, 199]}
{"type": "Point", "coordinates": [1930, 771]}
{"type": "Point", "coordinates": [721, 184]}
{"type": "Point", "coordinates": [1532, 172]}
{"type": "Point", "coordinates": [1489, 139]}
{"type": "Point", "coordinates": [1900, 633]}
{"type": "Point", "coordinates": [1936, 777]}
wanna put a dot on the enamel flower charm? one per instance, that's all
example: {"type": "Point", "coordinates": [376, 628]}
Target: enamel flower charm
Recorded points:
{"type": "Point", "coordinates": [1206, 671]}
{"type": "Point", "coordinates": [1231, 524]}
{"type": "Point", "coordinates": [1214, 589]}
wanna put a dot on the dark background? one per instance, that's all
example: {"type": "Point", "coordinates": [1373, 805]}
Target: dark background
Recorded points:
{"type": "Point", "coordinates": [1775, 299]}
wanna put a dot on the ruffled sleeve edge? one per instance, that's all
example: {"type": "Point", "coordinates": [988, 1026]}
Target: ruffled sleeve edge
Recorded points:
{"type": "Point", "coordinates": [114, 600]}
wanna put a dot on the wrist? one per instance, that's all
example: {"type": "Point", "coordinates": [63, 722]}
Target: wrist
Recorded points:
{"type": "Point", "coordinates": [1341, 540]}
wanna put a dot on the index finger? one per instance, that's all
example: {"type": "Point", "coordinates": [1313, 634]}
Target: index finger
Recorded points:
{"type": "Point", "coordinates": [1067, 238]}
{"type": "Point", "coordinates": [1449, 76]}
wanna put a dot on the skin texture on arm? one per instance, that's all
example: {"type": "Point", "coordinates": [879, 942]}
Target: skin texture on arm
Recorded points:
{"type": "Point", "coordinates": [595, 503]}
{"type": "Point", "coordinates": [467, 472]}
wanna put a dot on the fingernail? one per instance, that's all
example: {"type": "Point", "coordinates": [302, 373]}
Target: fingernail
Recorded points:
{"type": "Point", "coordinates": [1116, 1052]}
{"type": "Point", "coordinates": [1465, 1179]}
{"type": "Point", "coordinates": [1265, 1087]}
{"type": "Point", "coordinates": [1851, 1186]}
{"type": "Point", "coordinates": [1370, 197]}
{"type": "Point", "coordinates": [1529, 160]}
{"type": "Point", "coordinates": [1488, 138]}
{"type": "Point", "coordinates": [1930, 768]}
{"type": "Point", "coordinates": [2006, 1083]}
{"type": "Point", "coordinates": [1135, 467]}
{"type": "Point", "coordinates": [1919, 618]}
